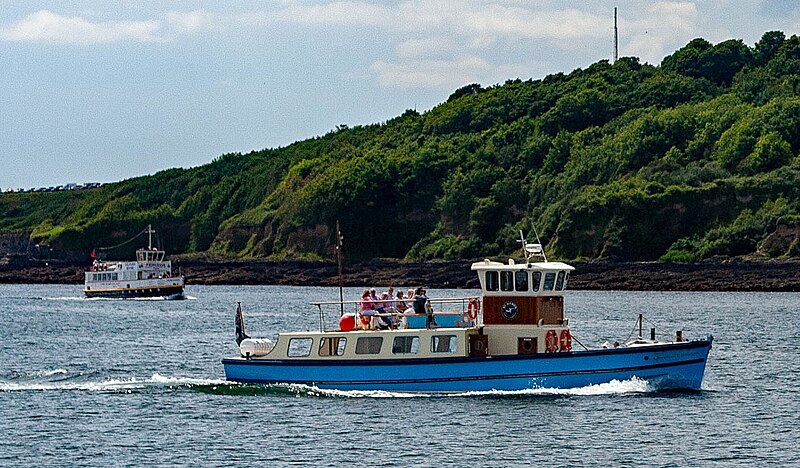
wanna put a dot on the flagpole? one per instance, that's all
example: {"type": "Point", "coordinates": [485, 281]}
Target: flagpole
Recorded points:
{"type": "Point", "coordinates": [339, 241]}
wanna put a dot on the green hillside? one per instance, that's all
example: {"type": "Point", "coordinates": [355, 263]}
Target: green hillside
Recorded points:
{"type": "Point", "coordinates": [695, 158]}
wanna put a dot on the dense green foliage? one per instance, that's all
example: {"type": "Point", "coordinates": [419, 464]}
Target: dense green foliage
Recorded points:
{"type": "Point", "coordinates": [695, 158]}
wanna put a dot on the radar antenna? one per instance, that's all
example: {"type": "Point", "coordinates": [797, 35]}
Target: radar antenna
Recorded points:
{"type": "Point", "coordinates": [531, 250]}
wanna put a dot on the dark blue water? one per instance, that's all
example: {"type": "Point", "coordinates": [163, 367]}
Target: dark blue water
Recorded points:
{"type": "Point", "coordinates": [99, 382]}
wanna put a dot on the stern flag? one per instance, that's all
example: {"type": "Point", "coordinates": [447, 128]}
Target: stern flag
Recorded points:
{"type": "Point", "coordinates": [240, 334]}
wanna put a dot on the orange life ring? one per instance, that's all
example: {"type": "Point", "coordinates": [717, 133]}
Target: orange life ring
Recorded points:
{"type": "Point", "coordinates": [551, 341]}
{"type": "Point", "coordinates": [473, 307]}
{"type": "Point", "coordinates": [566, 340]}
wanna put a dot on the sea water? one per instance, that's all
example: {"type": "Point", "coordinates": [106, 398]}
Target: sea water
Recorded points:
{"type": "Point", "coordinates": [140, 382]}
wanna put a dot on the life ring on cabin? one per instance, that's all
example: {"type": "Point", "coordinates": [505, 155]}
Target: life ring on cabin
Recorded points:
{"type": "Point", "coordinates": [551, 341]}
{"type": "Point", "coordinates": [473, 307]}
{"type": "Point", "coordinates": [566, 340]}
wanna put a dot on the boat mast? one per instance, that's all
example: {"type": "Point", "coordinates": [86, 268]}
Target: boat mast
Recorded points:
{"type": "Point", "coordinates": [150, 232]}
{"type": "Point", "coordinates": [339, 242]}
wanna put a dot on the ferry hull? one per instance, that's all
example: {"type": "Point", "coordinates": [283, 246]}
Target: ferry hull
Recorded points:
{"type": "Point", "coordinates": [168, 292]}
{"type": "Point", "coordinates": [665, 366]}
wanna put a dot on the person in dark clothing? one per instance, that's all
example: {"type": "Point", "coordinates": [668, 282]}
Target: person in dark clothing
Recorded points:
{"type": "Point", "coordinates": [421, 306]}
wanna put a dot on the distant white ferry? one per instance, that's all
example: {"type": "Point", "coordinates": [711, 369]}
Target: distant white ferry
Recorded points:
{"type": "Point", "coordinates": [149, 276]}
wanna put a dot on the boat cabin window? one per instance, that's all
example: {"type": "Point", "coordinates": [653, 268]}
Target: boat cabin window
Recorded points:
{"type": "Point", "coordinates": [369, 345]}
{"type": "Point", "coordinates": [549, 281]}
{"type": "Point", "coordinates": [299, 347]}
{"type": "Point", "coordinates": [491, 281]}
{"type": "Point", "coordinates": [566, 277]}
{"type": "Point", "coordinates": [536, 280]}
{"type": "Point", "coordinates": [521, 281]}
{"type": "Point", "coordinates": [560, 281]}
{"type": "Point", "coordinates": [405, 345]}
{"type": "Point", "coordinates": [506, 280]}
{"type": "Point", "coordinates": [444, 344]}
{"type": "Point", "coordinates": [333, 346]}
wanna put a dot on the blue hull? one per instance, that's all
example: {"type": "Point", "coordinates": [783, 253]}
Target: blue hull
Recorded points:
{"type": "Point", "coordinates": [669, 366]}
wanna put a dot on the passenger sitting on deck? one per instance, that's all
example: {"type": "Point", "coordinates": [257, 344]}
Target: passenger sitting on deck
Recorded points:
{"type": "Point", "coordinates": [390, 304]}
{"type": "Point", "coordinates": [401, 302]}
{"type": "Point", "coordinates": [367, 308]}
{"type": "Point", "coordinates": [378, 304]}
{"type": "Point", "coordinates": [386, 309]}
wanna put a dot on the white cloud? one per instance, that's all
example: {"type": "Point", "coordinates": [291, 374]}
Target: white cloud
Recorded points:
{"type": "Point", "coordinates": [188, 21]}
{"type": "Point", "coordinates": [334, 13]}
{"type": "Point", "coordinates": [665, 27]}
{"type": "Point", "coordinates": [430, 73]}
{"type": "Point", "coordinates": [427, 47]}
{"type": "Point", "coordinates": [46, 26]}
{"type": "Point", "coordinates": [445, 73]}
{"type": "Point", "coordinates": [440, 43]}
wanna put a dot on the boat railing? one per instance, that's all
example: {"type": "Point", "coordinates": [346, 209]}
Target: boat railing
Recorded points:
{"type": "Point", "coordinates": [456, 306]}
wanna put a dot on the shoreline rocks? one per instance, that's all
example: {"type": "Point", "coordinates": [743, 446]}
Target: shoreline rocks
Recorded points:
{"type": "Point", "coordinates": [716, 275]}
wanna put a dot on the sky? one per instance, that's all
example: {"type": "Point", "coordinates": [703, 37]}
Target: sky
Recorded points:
{"type": "Point", "coordinates": [102, 91]}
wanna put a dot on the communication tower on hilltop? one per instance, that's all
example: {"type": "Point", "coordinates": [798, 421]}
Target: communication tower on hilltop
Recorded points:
{"type": "Point", "coordinates": [616, 38]}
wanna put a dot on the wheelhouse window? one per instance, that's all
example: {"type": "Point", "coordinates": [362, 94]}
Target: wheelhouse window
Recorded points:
{"type": "Point", "coordinates": [521, 281]}
{"type": "Point", "coordinates": [566, 278]}
{"type": "Point", "coordinates": [536, 280]}
{"type": "Point", "coordinates": [560, 281]}
{"type": "Point", "coordinates": [549, 281]}
{"type": "Point", "coordinates": [444, 344]}
{"type": "Point", "coordinates": [299, 347]}
{"type": "Point", "coordinates": [491, 281]}
{"type": "Point", "coordinates": [369, 345]}
{"type": "Point", "coordinates": [405, 345]}
{"type": "Point", "coordinates": [333, 346]}
{"type": "Point", "coordinates": [506, 280]}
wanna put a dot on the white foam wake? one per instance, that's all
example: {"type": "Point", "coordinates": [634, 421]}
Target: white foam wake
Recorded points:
{"type": "Point", "coordinates": [615, 387]}
{"type": "Point", "coordinates": [112, 385]}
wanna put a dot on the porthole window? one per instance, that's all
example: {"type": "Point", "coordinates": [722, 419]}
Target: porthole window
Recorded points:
{"type": "Point", "coordinates": [405, 345]}
{"type": "Point", "coordinates": [333, 346]}
{"type": "Point", "coordinates": [536, 280]}
{"type": "Point", "coordinates": [549, 281]}
{"type": "Point", "coordinates": [521, 281]}
{"type": "Point", "coordinates": [369, 345]}
{"type": "Point", "coordinates": [491, 281]}
{"type": "Point", "coordinates": [506, 280]}
{"type": "Point", "coordinates": [299, 347]}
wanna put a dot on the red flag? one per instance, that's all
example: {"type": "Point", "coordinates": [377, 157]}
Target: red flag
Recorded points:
{"type": "Point", "coordinates": [93, 256]}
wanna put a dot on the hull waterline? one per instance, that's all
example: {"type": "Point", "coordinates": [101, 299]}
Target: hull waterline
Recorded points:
{"type": "Point", "coordinates": [665, 366]}
{"type": "Point", "coordinates": [171, 293]}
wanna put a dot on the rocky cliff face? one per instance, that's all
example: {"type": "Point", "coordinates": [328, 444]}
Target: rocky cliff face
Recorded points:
{"type": "Point", "coordinates": [14, 243]}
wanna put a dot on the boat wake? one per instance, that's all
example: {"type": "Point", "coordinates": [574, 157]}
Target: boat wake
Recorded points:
{"type": "Point", "coordinates": [615, 387]}
{"type": "Point", "coordinates": [62, 380]}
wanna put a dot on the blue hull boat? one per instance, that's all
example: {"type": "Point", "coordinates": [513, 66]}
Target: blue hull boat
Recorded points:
{"type": "Point", "coordinates": [513, 337]}
{"type": "Point", "coordinates": [665, 366]}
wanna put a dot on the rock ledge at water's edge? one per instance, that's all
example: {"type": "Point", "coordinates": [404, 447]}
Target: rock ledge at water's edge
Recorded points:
{"type": "Point", "coordinates": [716, 275]}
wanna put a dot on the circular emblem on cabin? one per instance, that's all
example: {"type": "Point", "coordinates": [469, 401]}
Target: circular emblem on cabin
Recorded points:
{"type": "Point", "coordinates": [509, 310]}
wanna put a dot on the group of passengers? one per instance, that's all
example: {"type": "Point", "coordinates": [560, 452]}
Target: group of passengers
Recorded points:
{"type": "Point", "coordinates": [385, 311]}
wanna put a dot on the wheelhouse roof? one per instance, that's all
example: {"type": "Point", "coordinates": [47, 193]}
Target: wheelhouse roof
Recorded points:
{"type": "Point", "coordinates": [512, 265]}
